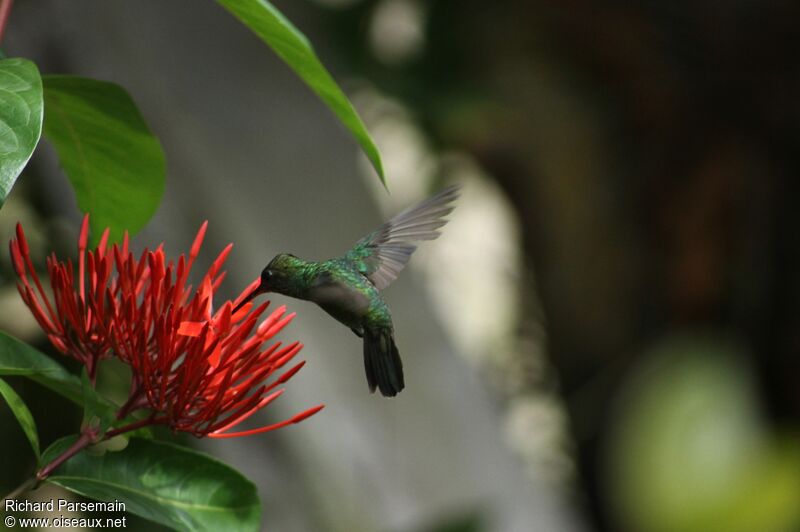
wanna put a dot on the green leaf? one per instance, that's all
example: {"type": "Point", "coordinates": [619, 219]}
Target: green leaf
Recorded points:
{"type": "Point", "coordinates": [18, 358]}
{"type": "Point", "coordinates": [293, 47]}
{"type": "Point", "coordinates": [162, 482]}
{"type": "Point", "coordinates": [20, 118]}
{"type": "Point", "coordinates": [22, 413]}
{"type": "Point", "coordinates": [113, 161]}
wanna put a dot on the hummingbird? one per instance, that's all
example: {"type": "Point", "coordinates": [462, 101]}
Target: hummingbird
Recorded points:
{"type": "Point", "coordinates": [348, 287]}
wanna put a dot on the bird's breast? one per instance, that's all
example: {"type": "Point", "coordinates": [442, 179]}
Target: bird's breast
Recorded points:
{"type": "Point", "coordinates": [345, 303]}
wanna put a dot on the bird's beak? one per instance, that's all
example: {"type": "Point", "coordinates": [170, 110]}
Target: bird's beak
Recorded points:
{"type": "Point", "coordinates": [258, 290]}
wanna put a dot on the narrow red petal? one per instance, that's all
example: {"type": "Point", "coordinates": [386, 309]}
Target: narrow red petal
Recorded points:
{"type": "Point", "coordinates": [82, 242]}
{"type": "Point", "coordinates": [125, 243]}
{"type": "Point", "coordinates": [241, 313]}
{"type": "Point", "coordinates": [17, 260]}
{"type": "Point", "coordinates": [219, 261]}
{"type": "Point", "coordinates": [268, 333]}
{"type": "Point", "coordinates": [101, 247]}
{"type": "Point", "coordinates": [261, 404]}
{"type": "Point", "coordinates": [23, 244]}
{"type": "Point", "coordinates": [198, 241]}
{"type": "Point", "coordinates": [290, 373]}
{"type": "Point", "coordinates": [25, 253]}
{"type": "Point", "coordinates": [190, 328]}
{"type": "Point", "coordinates": [247, 291]}
{"type": "Point", "coordinates": [296, 419]}
{"type": "Point", "coordinates": [271, 320]}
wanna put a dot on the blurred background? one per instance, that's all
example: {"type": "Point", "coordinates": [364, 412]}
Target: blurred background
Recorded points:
{"type": "Point", "coordinates": [607, 335]}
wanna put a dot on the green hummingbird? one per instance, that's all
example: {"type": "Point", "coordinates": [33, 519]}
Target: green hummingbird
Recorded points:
{"type": "Point", "coordinates": [348, 287]}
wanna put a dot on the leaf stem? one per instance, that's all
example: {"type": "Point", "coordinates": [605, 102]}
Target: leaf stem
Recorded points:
{"type": "Point", "coordinates": [5, 11]}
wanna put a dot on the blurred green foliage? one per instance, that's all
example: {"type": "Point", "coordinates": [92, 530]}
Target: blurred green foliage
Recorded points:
{"type": "Point", "coordinates": [690, 450]}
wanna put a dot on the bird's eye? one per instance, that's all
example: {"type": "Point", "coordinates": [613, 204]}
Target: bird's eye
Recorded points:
{"type": "Point", "coordinates": [267, 275]}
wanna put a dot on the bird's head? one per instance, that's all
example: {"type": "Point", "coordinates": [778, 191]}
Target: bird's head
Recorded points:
{"type": "Point", "coordinates": [281, 273]}
{"type": "Point", "coordinates": [280, 276]}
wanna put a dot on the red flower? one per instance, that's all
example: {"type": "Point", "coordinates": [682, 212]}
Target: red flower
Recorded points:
{"type": "Point", "coordinates": [199, 371]}
{"type": "Point", "coordinates": [72, 321]}
{"type": "Point", "coordinates": [205, 372]}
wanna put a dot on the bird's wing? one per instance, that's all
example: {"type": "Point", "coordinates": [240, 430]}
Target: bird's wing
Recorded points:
{"type": "Point", "coordinates": [382, 254]}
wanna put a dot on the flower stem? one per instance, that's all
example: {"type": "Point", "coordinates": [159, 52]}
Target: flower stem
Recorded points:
{"type": "Point", "coordinates": [5, 11]}
{"type": "Point", "coordinates": [132, 403]}
{"type": "Point", "coordinates": [88, 437]}
{"type": "Point", "coordinates": [152, 420]}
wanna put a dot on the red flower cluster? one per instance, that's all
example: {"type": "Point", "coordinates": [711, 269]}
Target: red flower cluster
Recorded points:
{"type": "Point", "coordinates": [200, 371]}
{"type": "Point", "coordinates": [72, 322]}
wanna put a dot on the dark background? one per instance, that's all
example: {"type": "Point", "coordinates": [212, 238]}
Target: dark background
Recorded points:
{"type": "Point", "coordinates": [606, 336]}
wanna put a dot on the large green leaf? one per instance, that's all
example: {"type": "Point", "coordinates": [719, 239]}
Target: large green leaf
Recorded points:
{"type": "Point", "coordinates": [22, 414]}
{"type": "Point", "coordinates": [113, 161]}
{"type": "Point", "coordinates": [171, 485]}
{"type": "Point", "coordinates": [18, 358]}
{"type": "Point", "coordinates": [20, 118]}
{"type": "Point", "coordinates": [293, 47]}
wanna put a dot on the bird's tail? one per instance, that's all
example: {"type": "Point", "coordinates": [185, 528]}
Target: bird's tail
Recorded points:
{"type": "Point", "coordinates": [382, 362]}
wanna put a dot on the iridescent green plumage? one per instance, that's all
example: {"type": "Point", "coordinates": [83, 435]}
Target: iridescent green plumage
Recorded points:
{"type": "Point", "coordinates": [348, 287]}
